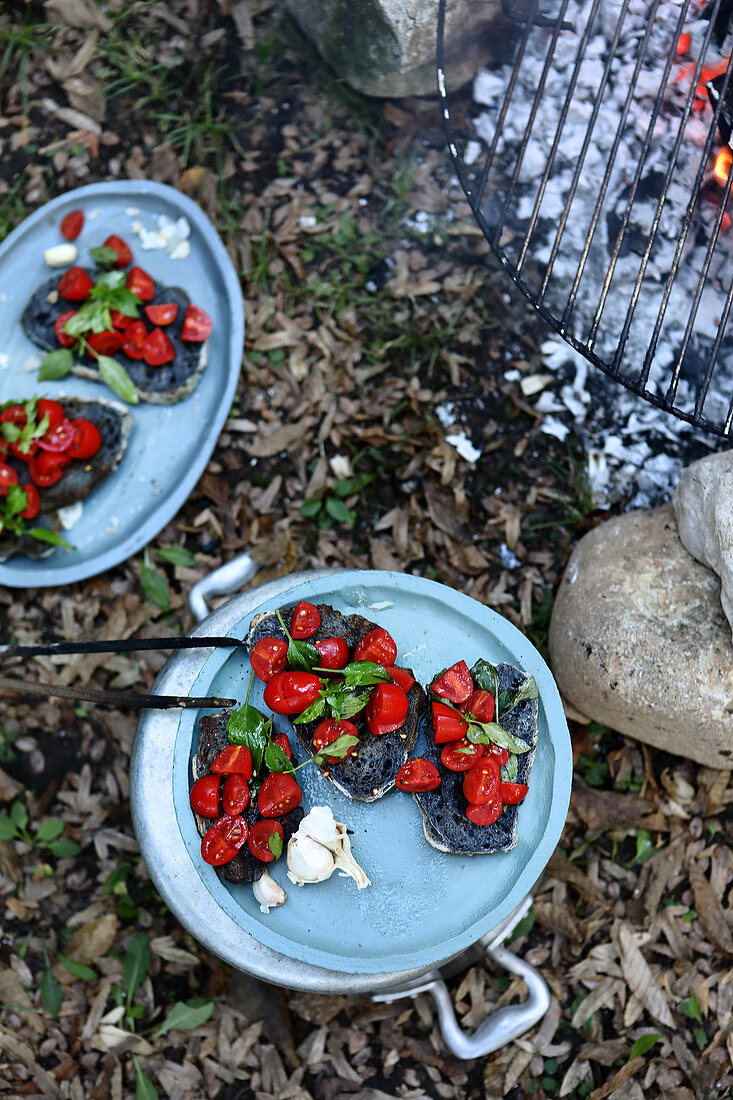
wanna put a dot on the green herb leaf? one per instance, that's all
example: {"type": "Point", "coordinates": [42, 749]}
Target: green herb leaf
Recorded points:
{"type": "Point", "coordinates": [15, 501]}
{"type": "Point", "coordinates": [177, 555]}
{"type": "Point", "coordinates": [44, 535]}
{"type": "Point", "coordinates": [124, 301]}
{"type": "Point", "coordinates": [315, 710]}
{"type": "Point", "coordinates": [114, 375]}
{"type": "Point", "coordinates": [64, 848]}
{"type": "Point", "coordinates": [56, 364]}
{"type": "Point", "coordinates": [19, 815]}
{"type": "Point", "coordinates": [144, 1087]}
{"type": "Point", "coordinates": [248, 726]}
{"type": "Point", "coordinates": [49, 829]}
{"type": "Point", "coordinates": [52, 995]}
{"type": "Point", "coordinates": [360, 673]}
{"type": "Point", "coordinates": [8, 830]}
{"type": "Point", "coordinates": [645, 846]}
{"type": "Point", "coordinates": [348, 486]}
{"type": "Point", "coordinates": [527, 690]}
{"type": "Point", "coordinates": [135, 963]}
{"type": "Point", "coordinates": [155, 587]}
{"type": "Point", "coordinates": [644, 1044]}
{"type": "Point", "coordinates": [111, 280]}
{"type": "Point", "coordinates": [337, 750]}
{"type": "Point", "coordinates": [510, 769]}
{"type": "Point", "coordinates": [310, 508]}
{"type": "Point", "coordinates": [339, 511]}
{"type": "Point", "coordinates": [79, 970]}
{"type": "Point", "coordinates": [184, 1017]}
{"type": "Point", "coordinates": [483, 733]}
{"type": "Point", "coordinates": [104, 256]}
{"type": "Point", "coordinates": [486, 677]}
{"type": "Point", "coordinates": [302, 654]}
{"type": "Point", "coordinates": [275, 844]}
{"type": "Point", "coordinates": [351, 704]}
{"type": "Point", "coordinates": [503, 702]}
{"type": "Point", "coordinates": [277, 760]}
{"type": "Point", "coordinates": [691, 1008]}
{"type": "Point", "coordinates": [10, 431]}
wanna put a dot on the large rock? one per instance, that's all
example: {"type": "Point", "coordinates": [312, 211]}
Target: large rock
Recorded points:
{"type": "Point", "coordinates": [639, 642]}
{"type": "Point", "coordinates": [703, 503]}
{"type": "Point", "coordinates": [387, 47]}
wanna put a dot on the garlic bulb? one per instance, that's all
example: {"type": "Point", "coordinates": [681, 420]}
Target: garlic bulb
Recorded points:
{"type": "Point", "coordinates": [320, 847]}
{"type": "Point", "coordinates": [268, 893]}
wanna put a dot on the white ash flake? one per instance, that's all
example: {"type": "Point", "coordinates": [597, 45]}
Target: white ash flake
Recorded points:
{"type": "Point", "coordinates": [631, 444]}
{"type": "Point", "coordinates": [464, 446]}
{"type": "Point", "coordinates": [172, 236]}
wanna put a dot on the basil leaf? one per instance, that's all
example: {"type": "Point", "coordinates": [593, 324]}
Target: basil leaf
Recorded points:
{"type": "Point", "coordinates": [510, 769]}
{"type": "Point", "coordinates": [338, 749]}
{"type": "Point", "coordinates": [352, 704]}
{"type": "Point", "coordinates": [44, 535]}
{"type": "Point", "coordinates": [56, 364]}
{"type": "Point", "coordinates": [247, 726]}
{"type": "Point", "coordinates": [359, 673]}
{"type": "Point", "coordinates": [302, 654]}
{"type": "Point", "coordinates": [124, 301]}
{"type": "Point", "coordinates": [483, 733]}
{"type": "Point", "coordinates": [92, 317]}
{"type": "Point", "coordinates": [11, 432]}
{"type": "Point", "coordinates": [486, 677]}
{"type": "Point", "coordinates": [315, 710]}
{"type": "Point", "coordinates": [503, 702]}
{"type": "Point", "coordinates": [275, 844]}
{"type": "Point", "coordinates": [111, 280]}
{"type": "Point", "coordinates": [104, 256]}
{"type": "Point", "coordinates": [15, 501]}
{"type": "Point", "coordinates": [527, 690]}
{"type": "Point", "coordinates": [116, 377]}
{"type": "Point", "coordinates": [277, 760]}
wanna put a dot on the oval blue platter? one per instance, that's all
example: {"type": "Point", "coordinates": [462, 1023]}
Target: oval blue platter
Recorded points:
{"type": "Point", "coordinates": [170, 444]}
{"type": "Point", "coordinates": [424, 906]}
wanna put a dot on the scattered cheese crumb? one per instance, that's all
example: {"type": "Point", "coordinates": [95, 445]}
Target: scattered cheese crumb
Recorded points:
{"type": "Point", "coordinates": [70, 515]}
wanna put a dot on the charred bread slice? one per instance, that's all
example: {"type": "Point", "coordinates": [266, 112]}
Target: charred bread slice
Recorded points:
{"type": "Point", "coordinates": [244, 867]}
{"type": "Point", "coordinates": [164, 385]}
{"type": "Point", "coordinates": [443, 810]}
{"type": "Point", "coordinates": [369, 774]}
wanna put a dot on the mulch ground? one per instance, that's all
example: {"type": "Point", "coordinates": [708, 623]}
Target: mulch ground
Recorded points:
{"type": "Point", "coordinates": [377, 325]}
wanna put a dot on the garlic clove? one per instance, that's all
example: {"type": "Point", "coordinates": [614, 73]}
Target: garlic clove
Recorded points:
{"type": "Point", "coordinates": [61, 255]}
{"type": "Point", "coordinates": [308, 861]}
{"type": "Point", "coordinates": [268, 893]}
{"type": "Point", "coordinates": [321, 846]}
{"type": "Point", "coordinates": [319, 825]}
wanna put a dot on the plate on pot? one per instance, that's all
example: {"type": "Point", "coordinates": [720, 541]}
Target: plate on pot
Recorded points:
{"type": "Point", "coordinates": [424, 906]}
{"type": "Point", "coordinates": [170, 444]}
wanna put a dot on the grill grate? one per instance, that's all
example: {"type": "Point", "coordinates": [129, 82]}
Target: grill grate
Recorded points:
{"type": "Point", "coordinates": [593, 182]}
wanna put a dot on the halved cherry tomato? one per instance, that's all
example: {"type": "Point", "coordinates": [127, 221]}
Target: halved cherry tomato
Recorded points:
{"type": "Point", "coordinates": [258, 840]}
{"type": "Point", "coordinates": [387, 709]}
{"type": "Point", "coordinates": [157, 349]}
{"type": "Point", "coordinates": [282, 741]}
{"type": "Point", "coordinates": [485, 814]}
{"type": "Point", "coordinates": [305, 621]}
{"type": "Point", "coordinates": [501, 754]}
{"type": "Point", "coordinates": [481, 782]}
{"type": "Point", "coordinates": [75, 284]}
{"type": "Point", "coordinates": [292, 692]}
{"type": "Point", "coordinates": [447, 724]}
{"type": "Point", "coordinates": [204, 796]}
{"type": "Point", "coordinates": [234, 794]}
{"type": "Point", "coordinates": [223, 840]}
{"type": "Point", "coordinates": [14, 414]}
{"type": "Point", "coordinates": [378, 646]}
{"type": "Point", "coordinates": [417, 775]}
{"type": "Point", "coordinates": [327, 731]}
{"type": "Point", "coordinates": [135, 336]}
{"type": "Point", "coordinates": [87, 439]}
{"type": "Point", "coordinates": [64, 338]}
{"type": "Point", "coordinates": [278, 795]}
{"type": "Point", "coordinates": [58, 440]}
{"type": "Point", "coordinates": [120, 320]}
{"type": "Point", "coordinates": [480, 704]}
{"type": "Point", "coordinates": [268, 658]}
{"type": "Point", "coordinates": [51, 409]}
{"type": "Point", "coordinates": [105, 343]}
{"type": "Point", "coordinates": [46, 468]}
{"type": "Point", "coordinates": [72, 224]}
{"type": "Point", "coordinates": [513, 793]}
{"type": "Point", "coordinates": [459, 756]}
{"type": "Point", "coordinates": [8, 477]}
{"type": "Point", "coordinates": [124, 255]}
{"type": "Point", "coordinates": [16, 448]}
{"type": "Point", "coordinates": [197, 325]}
{"type": "Point", "coordinates": [233, 759]}
{"type": "Point", "coordinates": [162, 314]}
{"type": "Point", "coordinates": [401, 677]}
{"type": "Point", "coordinates": [334, 653]}
{"type": "Point", "coordinates": [455, 684]}
{"type": "Point", "coordinates": [140, 283]}
{"type": "Point", "coordinates": [33, 505]}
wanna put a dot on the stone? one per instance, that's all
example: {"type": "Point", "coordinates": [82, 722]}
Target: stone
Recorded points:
{"type": "Point", "coordinates": [703, 504]}
{"type": "Point", "coordinates": [388, 47]}
{"type": "Point", "coordinates": [638, 639]}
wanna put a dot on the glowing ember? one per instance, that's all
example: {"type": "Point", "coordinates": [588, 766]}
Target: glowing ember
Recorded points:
{"type": "Point", "coordinates": [723, 162]}
{"type": "Point", "coordinates": [683, 44]}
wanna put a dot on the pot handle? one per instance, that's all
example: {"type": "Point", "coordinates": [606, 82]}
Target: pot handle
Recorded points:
{"type": "Point", "coordinates": [223, 581]}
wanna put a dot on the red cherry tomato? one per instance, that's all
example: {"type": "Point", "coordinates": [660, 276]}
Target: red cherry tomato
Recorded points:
{"type": "Point", "coordinates": [455, 684]}
{"type": "Point", "coordinates": [480, 704]}
{"type": "Point", "coordinates": [120, 320]}
{"type": "Point", "coordinates": [401, 677]}
{"type": "Point", "coordinates": [58, 440]}
{"type": "Point", "coordinates": [140, 283]}
{"type": "Point", "coordinates": [105, 343]}
{"type": "Point", "coordinates": [501, 755]}
{"type": "Point", "coordinates": [14, 414]}
{"type": "Point", "coordinates": [162, 314]}
{"type": "Point", "coordinates": [157, 349]}
{"type": "Point", "coordinates": [64, 338]}
{"type": "Point", "coordinates": [481, 782]}
{"type": "Point", "coordinates": [281, 740]}
{"type": "Point", "coordinates": [135, 336]}
{"type": "Point", "coordinates": [485, 814]}
{"type": "Point", "coordinates": [387, 709]}
{"type": "Point", "coordinates": [204, 796]}
{"type": "Point", "coordinates": [51, 409]}
{"type": "Point", "coordinates": [8, 477]}
{"type": "Point", "coordinates": [513, 793]}
{"type": "Point", "coordinates": [417, 775]}
{"type": "Point", "coordinates": [459, 756]}
{"type": "Point", "coordinates": [305, 621]}
{"type": "Point", "coordinates": [46, 468]}
{"type": "Point", "coordinates": [75, 284]}
{"type": "Point", "coordinates": [258, 840]}
{"type": "Point", "coordinates": [234, 794]}
{"type": "Point", "coordinates": [377, 646]}
{"type": "Point", "coordinates": [334, 653]}
{"type": "Point", "coordinates": [33, 505]}
{"type": "Point", "coordinates": [447, 724]}
{"type": "Point", "coordinates": [16, 448]}
{"type": "Point", "coordinates": [223, 840]}
{"type": "Point", "coordinates": [87, 439]}
{"type": "Point", "coordinates": [197, 325]}
{"type": "Point", "coordinates": [327, 731]}
{"type": "Point", "coordinates": [292, 692]}
{"type": "Point", "coordinates": [278, 795]}
{"type": "Point", "coordinates": [268, 658]}
{"type": "Point", "coordinates": [234, 759]}
{"type": "Point", "coordinates": [124, 255]}
{"type": "Point", "coordinates": [72, 225]}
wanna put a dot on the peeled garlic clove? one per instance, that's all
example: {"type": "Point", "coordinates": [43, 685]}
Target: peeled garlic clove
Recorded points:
{"type": "Point", "coordinates": [61, 255]}
{"type": "Point", "coordinates": [268, 893]}
{"type": "Point", "coordinates": [308, 861]}
{"type": "Point", "coordinates": [319, 825]}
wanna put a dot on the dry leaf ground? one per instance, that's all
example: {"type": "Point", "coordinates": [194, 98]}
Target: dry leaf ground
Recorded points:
{"type": "Point", "coordinates": [374, 318]}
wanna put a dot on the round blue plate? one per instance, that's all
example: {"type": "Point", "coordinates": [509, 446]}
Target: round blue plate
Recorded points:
{"type": "Point", "coordinates": [424, 906]}
{"type": "Point", "coordinates": [170, 444]}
